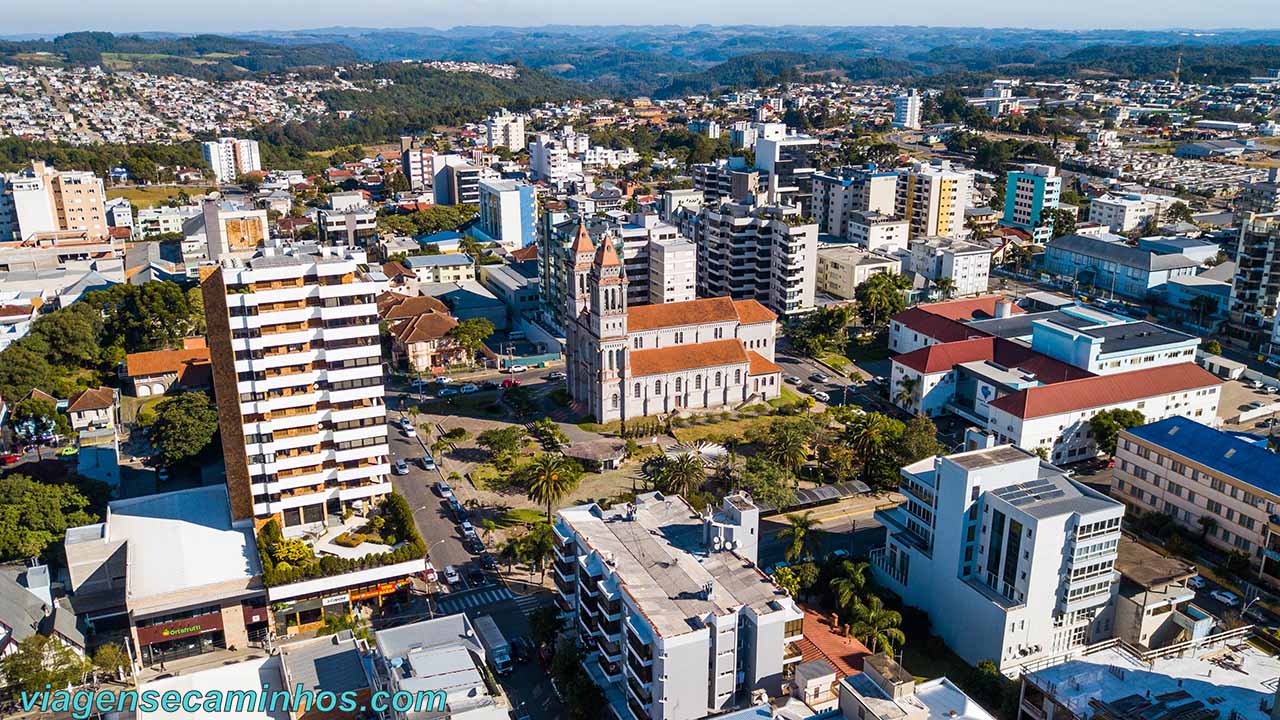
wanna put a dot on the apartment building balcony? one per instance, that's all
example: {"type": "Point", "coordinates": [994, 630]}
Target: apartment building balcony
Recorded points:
{"type": "Point", "coordinates": [640, 694]}
{"type": "Point", "coordinates": [791, 652]}
{"type": "Point", "coordinates": [878, 558]}
{"type": "Point", "coordinates": [638, 670]}
{"type": "Point", "coordinates": [611, 651]}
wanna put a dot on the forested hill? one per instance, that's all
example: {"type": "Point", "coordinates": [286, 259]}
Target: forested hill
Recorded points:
{"type": "Point", "coordinates": [210, 57]}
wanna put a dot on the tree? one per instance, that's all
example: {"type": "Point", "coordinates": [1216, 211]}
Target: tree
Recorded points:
{"type": "Point", "coordinates": [769, 482]}
{"type": "Point", "coordinates": [539, 544]}
{"type": "Point", "coordinates": [42, 662]}
{"type": "Point", "coordinates": [250, 181]}
{"type": "Point", "coordinates": [501, 442]}
{"type": "Point", "coordinates": [110, 659]}
{"type": "Point", "coordinates": [34, 516]}
{"type": "Point", "coordinates": [1208, 524]}
{"type": "Point", "coordinates": [1178, 212]}
{"type": "Point", "coordinates": [946, 287]}
{"type": "Point", "coordinates": [184, 427]}
{"type": "Point", "coordinates": [877, 626]}
{"type": "Point", "coordinates": [906, 396]}
{"type": "Point", "coordinates": [1106, 426]}
{"type": "Point", "coordinates": [551, 477]}
{"type": "Point", "coordinates": [1063, 221]}
{"type": "Point", "coordinates": [871, 437]}
{"type": "Point", "coordinates": [1213, 347]}
{"type": "Point", "coordinates": [880, 297]}
{"type": "Point", "coordinates": [919, 440]}
{"type": "Point", "coordinates": [1205, 305]}
{"type": "Point", "coordinates": [545, 625]}
{"type": "Point", "coordinates": [784, 578]}
{"type": "Point", "coordinates": [787, 445]}
{"type": "Point", "coordinates": [35, 418]}
{"type": "Point", "coordinates": [680, 475]}
{"type": "Point", "coordinates": [471, 333]}
{"type": "Point", "coordinates": [851, 581]}
{"type": "Point", "coordinates": [797, 533]}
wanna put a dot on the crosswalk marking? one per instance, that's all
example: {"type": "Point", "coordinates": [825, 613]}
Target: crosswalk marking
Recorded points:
{"type": "Point", "coordinates": [480, 597]}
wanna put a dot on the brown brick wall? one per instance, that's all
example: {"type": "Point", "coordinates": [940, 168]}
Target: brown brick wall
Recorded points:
{"type": "Point", "coordinates": [230, 423]}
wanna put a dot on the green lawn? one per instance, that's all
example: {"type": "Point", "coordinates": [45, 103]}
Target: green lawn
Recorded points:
{"type": "Point", "coordinates": [520, 516]}
{"type": "Point", "coordinates": [933, 659]}
{"type": "Point", "coordinates": [716, 430]}
{"type": "Point", "coordinates": [150, 196]}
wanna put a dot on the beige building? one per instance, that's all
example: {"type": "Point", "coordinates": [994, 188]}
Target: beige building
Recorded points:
{"type": "Point", "coordinates": [43, 200]}
{"type": "Point", "coordinates": [842, 268]}
{"type": "Point", "coordinates": [1213, 483]}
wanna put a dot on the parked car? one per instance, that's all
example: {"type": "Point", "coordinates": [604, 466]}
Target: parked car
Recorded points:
{"type": "Point", "coordinates": [807, 388]}
{"type": "Point", "coordinates": [468, 389]}
{"type": "Point", "coordinates": [475, 576]}
{"type": "Point", "coordinates": [821, 397]}
{"type": "Point", "coordinates": [555, 375]}
{"type": "Point", "coordinates": [518, 369]}
{"type": "Point", "coordinates": [69, 451]}
{"type": "Point", "coordinates": [428, 573]}
{"type": "Point", "coordinates": [428, 462]}
{"type": "Point", "coordinates": [10, 458]}
{"type": "Point", "coordinates": [792, 380]}
{"type": "Point", "coordinates": [458, 512]}
{"type": "Point", "coordinates": [451, 576]}
{"type": "Point", "coordinates": [467, 527]}
{"type": "Point", "coordinates": [1225, 597]}
{"type": "Point", "coordinates": [405, 423]}
{"type": "Point", "coordinates": [162, 474]}
{"type": "Point", "coordinates": [819, 378]}
{"type": "Point", "coordinates": [400, 467]}
{"type": "Point", "coordinates": [448, 392]}
{"type": "Point", "coordinates": [522, 649]}
{"type": "Point", "coordinates": [1195, 581]}
{"type": "Point", "coordinates": [489, 385]}
{"type": "Point", "coordinates": [488, 562]}
{"type": "Point", "coordinates": [510, 383]}
{"type": "Point", "coordinates": [443, 490]}
{"type": "Point", "coordinates": [473, 544]}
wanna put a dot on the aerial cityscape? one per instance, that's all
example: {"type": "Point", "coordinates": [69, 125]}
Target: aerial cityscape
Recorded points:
{"type": "Point", "coordinates": [669, 362]}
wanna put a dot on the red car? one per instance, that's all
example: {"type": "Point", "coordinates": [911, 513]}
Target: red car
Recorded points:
{"type": "Point", "coordinates": [9, 458]}
{"type": "Point", "coordinates": [510, 383]}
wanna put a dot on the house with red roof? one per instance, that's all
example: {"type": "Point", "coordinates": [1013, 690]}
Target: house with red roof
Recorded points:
{"type": "Point", "coordinates": [945, 321]}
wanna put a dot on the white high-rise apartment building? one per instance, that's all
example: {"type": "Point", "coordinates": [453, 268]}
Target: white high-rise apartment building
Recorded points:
{"type": "Point", "coordinates": [906, 110]}
{"type": "Point", "coordinates": [231, 158]}
{"type": "Point", "coordinates": [297, 369]}
{"type": "Point", "coordinates": [967, 264]}
{"type": "Point", "coordinates": [1122, 213]}
{"type": "Point", "coordinates": [550, 159]}
{"type": "Point", "coordinates": [1000, 540]}
{"type": "Point", "coordinates": [846, 190]}
{"type": "Point", "coordinates": [42, 200]}
{"type": "Point", "coordinates": [678, 621]}
{"type": "Point", "coordinates": [504, 129]}
{"type": "Point", "coordinates": [673, 270]}
{"type": "Point", "coordinates": [754, 251]}
{"type": "Point", "coordinates": [932, 197]}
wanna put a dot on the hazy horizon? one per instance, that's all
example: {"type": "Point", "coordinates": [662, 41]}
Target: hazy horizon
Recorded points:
{"type": "Point", "coordinates": [56, 17]}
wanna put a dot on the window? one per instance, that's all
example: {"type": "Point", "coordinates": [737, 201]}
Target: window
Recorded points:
{"type": "Point", "coordinates": [697, 382]}
{"type": "Point", "coordinates": [737, 377]}
{"type": "Point", "coordinates": [657, 387]}
{"type": "Point", "coordinates": [637, 390]}
{"type": "Point", "coordinates": [679, 384]}
{"type": "Point", "coordinates": [717, 378]}
{"type": "Point", "coordinates": [613, 402]}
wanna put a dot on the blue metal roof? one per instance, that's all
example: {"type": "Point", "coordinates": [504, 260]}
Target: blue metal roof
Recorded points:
{"type": "Point", "coordinates": [1235, 454]}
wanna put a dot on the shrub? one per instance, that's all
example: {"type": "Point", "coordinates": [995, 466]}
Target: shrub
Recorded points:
{"type": "Point", "coordinates": [350, 540]}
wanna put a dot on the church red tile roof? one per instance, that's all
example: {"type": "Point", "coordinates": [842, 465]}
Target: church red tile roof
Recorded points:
{"type": "Point", "coordinates": [660, 361]}
{"type": "Point", "coordinates": [696, 312]}
{"type": "Point", "coordinates": [760, 365]}
{"type": "Point", "coordinates": [1105, 390]}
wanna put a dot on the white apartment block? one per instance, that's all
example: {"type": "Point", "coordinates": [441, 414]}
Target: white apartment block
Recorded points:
{"type": "Point", "coordinates": [877, 232]}
{"type": "Point", "coordinates": [838, 195]}
{"type": "Point", "coordinates": [968, 265]}
{"type": "Point", "coordinates": [504, 129]}
{"type": "Point", "coordinates": [348, 220]}
{"type": "Point", "coordinates": [164, 220]}
{"type": "Point", "coordinates": [42, 200]}
{"type": "Point", "coordinates": [297, 367]}
{"type": "Point", "coordinates": [416, 164]}
{"type": "Point", "coordinates": [906, 110]}
{"type": "Point", "coordinates": [231, 157]}
{"type": "Point", "coordinates": [997, 540]}
{"type": "Point", "coordinates": [678, 621]}
{"type": "Point", "coordinates": [673, 271]}
{"type": "Point", "coordinates": [842, 268]}
{"type": "Point", "coordinates": [550, 160]}
{"type": "Point", "coordinates": [749, 251]}
{"type": "Point", "coordinates": [1122, 213]}
{"type": "Point", "coordinates": [636, 234]}
{"type": "Point", "coordinates": [933, 198]}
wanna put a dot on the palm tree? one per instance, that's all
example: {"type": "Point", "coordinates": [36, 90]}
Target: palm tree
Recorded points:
{"type": "Point", "coordinates": [851, 581]}
{"type": "Point", "coordinates": [681, 475]}
{"type": "Point", "coordinates": [907, 392]}
{"type": "Point", "coordinates": [877, 626]}
{"type": "Point", "coordinates": [798, 532]}
{"type": "Point", "coordinates": [511, 552]}
{"type": "Point", "coordinates": [550, 480]}
{"type": "Point", "coordinates": [788, 446]}
{"type": "Point", "coordinates": [946, 287]}
{"type": "Point", "coordinates": [868, 436]}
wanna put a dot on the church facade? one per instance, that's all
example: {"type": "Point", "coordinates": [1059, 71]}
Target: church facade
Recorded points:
{"type": "Point", "coordinates": [652, 360]}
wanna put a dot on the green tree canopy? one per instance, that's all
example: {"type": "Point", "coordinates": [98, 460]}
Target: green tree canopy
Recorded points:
{"type": "Point", "coordinates": [1106, 427]}
{"type": "Point", "coordinates": [471, 333]}
{"type": "Point", "coordinates": [34, 418]}
{"type": "Point", "coordinates": [41, 662]}
{"type": "Point", "coordinates": [881, 297]}
{"type": "Point", "coordinates": [34, 515]}
{"type": "Point", "coordinates": [184, 426]}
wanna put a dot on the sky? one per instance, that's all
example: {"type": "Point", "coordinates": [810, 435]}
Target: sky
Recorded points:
{"type": "Point", "coordinates": [58, 16]}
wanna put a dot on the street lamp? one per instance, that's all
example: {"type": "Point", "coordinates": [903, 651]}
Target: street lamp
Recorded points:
{"type": "Point", "coordinates": [431, 610]}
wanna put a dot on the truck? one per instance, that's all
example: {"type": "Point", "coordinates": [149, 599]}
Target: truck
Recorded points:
{"type": "Point", "coordinates": [496, 647]}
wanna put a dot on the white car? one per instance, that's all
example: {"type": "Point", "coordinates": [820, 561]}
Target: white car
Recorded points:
{"type": "Point", "coordinates": [556, 375]}
{"type": "Point", "coordinates": [821, 396]}
{"type": "Point", "coordinates": [1195, 581]}
{"type": "Point", "coordinates": [467, 528]}
{"type": "Point", "coordinates": [1225, 597]}
{"type": "Point", "coordinates": [518, 368]}
{"type": "Point", "coordinates": [400, 467]}
{"type": "Point", "coordinates": [406, 424]}
{"type": "Point", "coordinates": [468, 389]}
{"type": "Point", "coordinates": [451, 576]}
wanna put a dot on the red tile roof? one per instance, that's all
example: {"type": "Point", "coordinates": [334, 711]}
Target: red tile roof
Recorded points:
{"type": "Point", "coordinates": [761, 365]}
{"type": "Point", "coordinates": [979, 308]}
{"type": "Point", "coordinates": [944, 356]}
{"type": "Point", "coordinates": [844, 653]}
{"type": "Point", "coordinates": [688, 357]}
{"type": "Point", "coordinates": [161, 362]}
{"type": "Point", "coordinates": [606, 254]}
{"type": "Point", "coordinates": [1105, 390]}
{"type": "Point", "coordinates": [529, 252]}
{"type": "Point", "coordinates": [751, 312]}
{"type": "Point", "coordinates": [92, 399]}
{"type": "Point", "coordinates": [937, 327]}
{"type": "Point", "coordinates": [582, 242]}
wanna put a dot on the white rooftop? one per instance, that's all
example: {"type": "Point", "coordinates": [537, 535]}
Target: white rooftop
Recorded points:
{"type": "Point", "coordinates": [180, 541]}
{"type": "Point", "coordinates": [1231, 677]}
{"type": "Point", "coordinates": [260, 675]}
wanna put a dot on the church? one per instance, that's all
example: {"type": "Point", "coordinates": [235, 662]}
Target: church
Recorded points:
{"type": "Point", "coordinates": [652, 360]}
